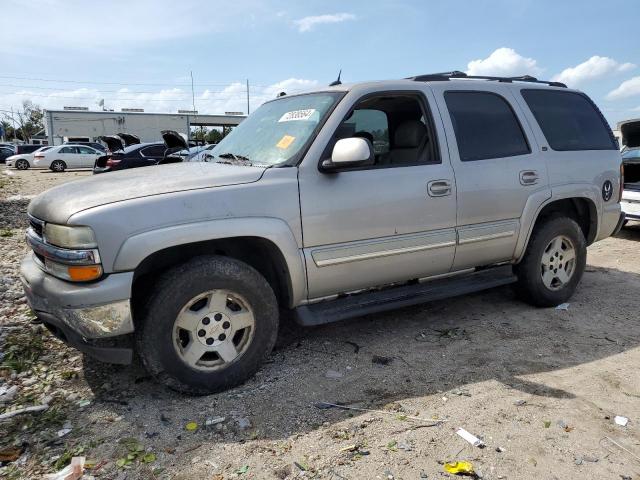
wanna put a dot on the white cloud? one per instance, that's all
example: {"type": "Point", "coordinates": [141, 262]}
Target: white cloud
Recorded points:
{"type": "Point", "coordinates": [231, 98]}
{"type": "Point", "coordinates": [504, 62]}
{"type": "Point", "coordinates": [628, 88]}
{"type": "Point", "coordinates": [309, 23]}
{"type": "Point", "coordinates": [595, 67]}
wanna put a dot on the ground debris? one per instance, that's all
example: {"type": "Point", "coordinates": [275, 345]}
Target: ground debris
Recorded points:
{"type": "Point", "coordinates": [34, 409]}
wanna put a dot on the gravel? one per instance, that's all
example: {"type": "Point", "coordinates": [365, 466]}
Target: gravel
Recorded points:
{"type": "Point", "coordinates": [507, 371]}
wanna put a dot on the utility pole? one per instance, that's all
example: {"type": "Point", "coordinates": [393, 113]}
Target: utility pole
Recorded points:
{"type": "Point", "coordinates": [193, 95]}
{"type": "Point", "coordinates": [13, 120]}
{"type": "Point", "coordinates": [248, 108]}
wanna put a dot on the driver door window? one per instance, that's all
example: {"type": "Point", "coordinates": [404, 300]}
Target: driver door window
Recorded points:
{"type": "Point", "coordinates": [396, 126]}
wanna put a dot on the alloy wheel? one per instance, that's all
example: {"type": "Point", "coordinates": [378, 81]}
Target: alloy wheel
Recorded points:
{"type": "Point", "coordinates": [558, 263]}
{"type": "Point", "coordinates": [213, 330]}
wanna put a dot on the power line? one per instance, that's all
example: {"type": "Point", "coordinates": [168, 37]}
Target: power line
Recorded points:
{"type": "Point", "coordinates": [89, 82]}
{"type": "Point", "coordinates": [119, 99]}
{"type": "Point", "coordinates": [97, 91]}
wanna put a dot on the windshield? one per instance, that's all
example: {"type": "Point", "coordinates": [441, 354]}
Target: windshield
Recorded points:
{"type": "Point", "coordinates": [276, 131]}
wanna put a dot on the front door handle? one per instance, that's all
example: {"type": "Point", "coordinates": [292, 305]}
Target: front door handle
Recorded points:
{"type": "Point", "coordinates": [439, 188]}
{"type": "Point", "coordinates": [529, 177]}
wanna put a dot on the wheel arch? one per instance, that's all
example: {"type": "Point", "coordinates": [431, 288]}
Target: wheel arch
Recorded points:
{"type": "Point", "coordinates": [583, 209]}
{"type": "Point", "coordinates": [268, 245]}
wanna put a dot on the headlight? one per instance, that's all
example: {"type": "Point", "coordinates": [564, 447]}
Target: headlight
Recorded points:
{"type": "Point", "coordinates": [69, 236]}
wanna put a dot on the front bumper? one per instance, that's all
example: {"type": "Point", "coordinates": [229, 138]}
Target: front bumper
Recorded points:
{"type": "Point", "coordinates": [94, 317]}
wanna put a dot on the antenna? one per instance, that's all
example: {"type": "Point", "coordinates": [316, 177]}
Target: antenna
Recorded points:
{"type": "Point", "coordinates": [337, 81]}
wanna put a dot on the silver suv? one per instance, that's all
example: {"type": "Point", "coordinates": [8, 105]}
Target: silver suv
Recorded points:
{"type": "Point", "coordinates": [331, 204]}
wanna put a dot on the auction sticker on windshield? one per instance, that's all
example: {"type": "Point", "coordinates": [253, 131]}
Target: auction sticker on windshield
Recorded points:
{"type": "Point", "coordinates": [285, 142]}
{"type": "Point", "coordinates": [297, 115]}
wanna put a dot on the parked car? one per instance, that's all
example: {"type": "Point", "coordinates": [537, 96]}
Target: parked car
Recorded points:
{"type": "Point", "coordinates": [23, 161]}
{"type": "Point", "coordinates": [8, 145]}
{"type": "Point", "coordinates": [119, 141]}
{"type": "Point", "coordinates": [61, 157]}
{"type": "Point", "coordinates": [96, 145]}
{"type": "Point", "coordinates": [204, 155]}
{"type": "Point", "coordinates": [631, 194]}
{"type": "Point", "coordinates": [484, 183]}
{"type": "Point", "coordinates": [27, 148]}
{"type": "Point", "coordinates": [5, 152]}
{"type": "Point", "coordinates": [123, 157]}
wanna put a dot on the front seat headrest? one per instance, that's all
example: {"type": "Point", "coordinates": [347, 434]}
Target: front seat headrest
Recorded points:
{"type": "Point", "coordinates": [410, 134]}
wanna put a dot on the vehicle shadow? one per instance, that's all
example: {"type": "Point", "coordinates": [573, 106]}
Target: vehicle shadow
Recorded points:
{"type": "Point", "coordinates": [630, 232]}
{"type": "Point", "coordinates": [390, 357]}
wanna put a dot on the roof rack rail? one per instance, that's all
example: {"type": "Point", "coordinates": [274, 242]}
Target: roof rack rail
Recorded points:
{"type": "Point", "coordinates": [445, 76]}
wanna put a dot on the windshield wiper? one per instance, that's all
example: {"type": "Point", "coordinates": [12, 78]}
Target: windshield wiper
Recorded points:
{"type": "Point", "coordinates": [237, 159]}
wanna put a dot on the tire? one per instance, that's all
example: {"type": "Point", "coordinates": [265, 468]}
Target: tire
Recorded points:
{"type": "Point", "coordinates": [165, 347]}
{"type": "Point", "coordinates": [58, 166]}
{"type": "Point", "coordinates": [540, 263]}
{"type": "Point", "coordinates": [22, 164]}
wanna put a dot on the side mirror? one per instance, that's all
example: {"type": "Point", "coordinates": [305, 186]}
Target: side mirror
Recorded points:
{"type": "Point", "coordinates": [348, 153]}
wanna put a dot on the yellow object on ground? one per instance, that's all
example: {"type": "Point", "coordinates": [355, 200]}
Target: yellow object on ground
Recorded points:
{"type": "Point", "coordinates": [459, 468]}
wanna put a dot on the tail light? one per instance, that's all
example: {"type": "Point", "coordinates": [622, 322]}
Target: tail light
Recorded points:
{"type": "Point", "coordinates": [112, 162]}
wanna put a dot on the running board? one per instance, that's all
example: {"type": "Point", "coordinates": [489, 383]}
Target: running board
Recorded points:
{"type": "Point", "coordinates": [392, 298]}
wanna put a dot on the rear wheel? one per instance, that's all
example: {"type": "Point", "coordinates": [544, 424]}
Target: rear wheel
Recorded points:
{"type": "Point", "coordinates": [208, 326]}
{"type": "Point", "coordinates": [58, 166]}
{"type": "Point", "coordinates": [22, 164]}
{"type": "Point", "coordinates": [553, 263]}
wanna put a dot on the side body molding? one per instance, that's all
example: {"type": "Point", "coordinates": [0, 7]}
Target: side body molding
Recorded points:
{"type": "Point", "coordinates": [138, 247]}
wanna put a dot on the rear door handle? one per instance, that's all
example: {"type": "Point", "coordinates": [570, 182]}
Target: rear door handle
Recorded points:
{"type": "Point", "coordinates": [439, 188]}
{"type": "Point", "coordinates": [529, 177]}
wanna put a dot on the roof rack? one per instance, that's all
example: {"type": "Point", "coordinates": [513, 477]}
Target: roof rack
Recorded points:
{"type": "Point", "coordinates": [445, 76]}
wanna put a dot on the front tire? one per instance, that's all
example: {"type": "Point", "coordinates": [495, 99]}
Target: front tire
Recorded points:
{"type": "Point", "coordinates": [22, 164]}
{"type": "Point", "coordinates": [553, 263]}
{"type": "Point", "coordinates": [208, 325]}
{"type": "Point", "coordinates": [58, 166]}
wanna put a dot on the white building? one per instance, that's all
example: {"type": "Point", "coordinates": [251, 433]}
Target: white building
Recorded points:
{"type": "Point", "coordinates": [61, 124]}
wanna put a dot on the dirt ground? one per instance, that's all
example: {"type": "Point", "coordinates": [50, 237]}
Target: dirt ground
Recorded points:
{"type": "Point", "coordinates": [541, 387]}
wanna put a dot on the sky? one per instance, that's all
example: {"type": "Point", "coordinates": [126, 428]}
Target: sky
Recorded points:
{"type": "Point", "coordinates": [140, 54]}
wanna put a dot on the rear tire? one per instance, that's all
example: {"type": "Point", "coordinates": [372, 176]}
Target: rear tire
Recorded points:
{"type": "Point", "coordinates": [22, 164]}
{"type": "Point", "coordinates": [208, 325]}
{"type": "Point", "coordinates": [553, 263]}
{"type": "Point", "coordinates": [58, 166]}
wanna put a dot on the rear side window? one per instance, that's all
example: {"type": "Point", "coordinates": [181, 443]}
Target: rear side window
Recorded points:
{"type": "Point", "coordinates": [569, 120]}
{"type": "Point", "coordinates": [485, 126]}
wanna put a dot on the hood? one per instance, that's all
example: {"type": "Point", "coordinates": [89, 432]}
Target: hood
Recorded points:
{"type": "Point", "coordinates": [129, 139]}
{"type": "Point", "coordinates": [630, 131]}
{"type": "Point", "coordinates": [173, 139]}
{"type": "Point", "coordinates": [114, 142]}
{"type": "Point", "coordinates": [59, 203]}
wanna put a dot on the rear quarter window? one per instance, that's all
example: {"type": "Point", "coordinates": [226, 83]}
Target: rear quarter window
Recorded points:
{"type": "Point", "coordinates": [485, 126]}
{"type": "Point", "coordinates": [569, 120]}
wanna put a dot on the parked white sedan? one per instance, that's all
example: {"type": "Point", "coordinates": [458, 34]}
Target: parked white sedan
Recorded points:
{"type": "Point", "coordinates": [23, 161]}
{"type": "Point", "coordinates": [61, 157]}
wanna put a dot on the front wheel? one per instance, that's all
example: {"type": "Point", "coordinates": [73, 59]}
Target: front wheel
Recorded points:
{"type": "Point", "coordinates": [22, 164]}
{"type": "Point", "coordinates": [58, 166]}
{"type": "Point", "coordinates": [208, 326]}
{"type": "Point", "coordinates": [553, 263]}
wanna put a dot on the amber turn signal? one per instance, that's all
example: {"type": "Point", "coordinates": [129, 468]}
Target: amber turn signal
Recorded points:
{"type": "Point", "coordinates": [84, 273]}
